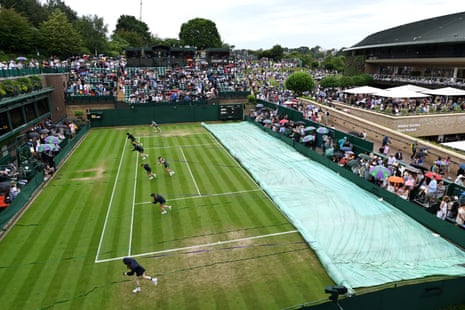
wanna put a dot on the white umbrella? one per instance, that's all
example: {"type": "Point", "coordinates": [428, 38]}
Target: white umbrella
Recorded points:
{"type": "Point", "coordinates": [400, 93]}
{"type": "Point", "coordinates": [362, 90]}
{"type": "Point", "coordinates": [411, 87]}
{"type": "Point", "coordinates": [446, 91]}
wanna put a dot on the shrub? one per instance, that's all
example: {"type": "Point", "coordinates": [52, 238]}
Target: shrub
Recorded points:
{"type": "Point", "coordinates": [251, 99]}
{"type": "Point", "coordinates": [11, 87]}
{"type": "Point", "coordinates": [36, 82]}
{"type": "Point", "coordinates": [2, 91]}
{"type": "Point", "coordinates": [25, 84]}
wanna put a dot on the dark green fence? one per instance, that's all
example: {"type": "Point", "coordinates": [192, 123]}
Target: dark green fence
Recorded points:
{"type": "Point", "coordinates": [8, 73]}
{"type": "Point", "coordinates": [89, 99]}
{"type": "Point", "coordinates": [426, 296]}
{"type": "Point", "coordinates": [35, 182]}
{"type": "Point", "coordinates": [161, 113]}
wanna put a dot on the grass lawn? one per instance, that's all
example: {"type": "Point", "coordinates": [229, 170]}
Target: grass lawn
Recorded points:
{"type": "Point", "coordinates": [224, 245]}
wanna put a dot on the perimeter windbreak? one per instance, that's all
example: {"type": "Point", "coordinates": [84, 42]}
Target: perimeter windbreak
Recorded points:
{"type": "Point", "coordinates": [360, 240]}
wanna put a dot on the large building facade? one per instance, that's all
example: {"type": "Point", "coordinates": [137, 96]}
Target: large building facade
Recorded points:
{"type": "Point", "coordinates": [430, 51]}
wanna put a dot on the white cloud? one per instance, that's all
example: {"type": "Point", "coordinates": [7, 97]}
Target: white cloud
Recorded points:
{"type": "Point", "coordinates": [263, 23]}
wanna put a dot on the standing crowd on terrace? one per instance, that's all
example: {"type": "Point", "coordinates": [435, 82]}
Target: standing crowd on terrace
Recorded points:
{"type": "Point", "coordinates": [105, 76]}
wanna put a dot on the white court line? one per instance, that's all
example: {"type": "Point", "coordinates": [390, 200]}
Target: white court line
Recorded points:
{"type": "Point", "coordinates": [158, 135]}
{"type": "Point", "coordinates": [236, 161]}
{"type": "Point", "coordinates": [110, 203]}
{"type": "Point", "coordinates": [190, 171]}
{"type": "Point", "coordinates": [216, 143]}
{"type": "Point", "coordinates": [175, 146]}
{"type": "Point", "coordinates": [194, 196]}
{"type": "Point", "coordinates": [199, 246]}
{"type": "Point", "coordinates": [246, 172]}
{"type": "Point", "coordinates": [133, 205]}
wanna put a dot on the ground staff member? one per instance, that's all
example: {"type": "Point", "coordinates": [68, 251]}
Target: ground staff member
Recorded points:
{"type": "Point", "coordinates": [135, 268]}
{"type": "Point", "coordinates": [157, 198]}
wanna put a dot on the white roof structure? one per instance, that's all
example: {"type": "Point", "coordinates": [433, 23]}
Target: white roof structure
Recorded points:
{"type": "Point", "coordinates": [411, 87]}
{"type": "Point", "coordinates": [367, 90]}
{"type": "Point", "coordinates": [400, 93]}
{"type": "Point", "coordinates": [458, 145]}
{"type": "Point", "coordinates": [446, 91]}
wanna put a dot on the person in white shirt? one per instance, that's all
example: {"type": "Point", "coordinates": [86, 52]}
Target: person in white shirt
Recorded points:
{"type": "Point", "coordinates": [431, 191]}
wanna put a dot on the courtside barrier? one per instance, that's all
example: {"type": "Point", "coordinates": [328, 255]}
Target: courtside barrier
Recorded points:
{"type": "Point", "coordinates": [18, 205]}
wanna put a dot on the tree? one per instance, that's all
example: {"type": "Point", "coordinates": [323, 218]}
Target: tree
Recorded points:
{"type": "Point", "coordinates": [133, 30]}
{"type": "Point", "coordinates": [53, 5]}
{"type": "Point", "coordinates": [334, 63]}
{"type": "Point", "coordinates": [93, 31]}
{"type": "Point", "coordinates": [316, 52]}
{"type": "Point", "coordinates": [362, 79]}
{"type": "Point", "coordinates": [30, 9]}
{"type": "Point", "coordinates": [171, 42]}
{"type": "Point", "coordinates": [201, 33]}
{"type": "Point", "coordinates": [277, 53]}
{"type": "Point", "coordinates": [15, 32]}
{"type": "Point", "coordinates": [117, 45]}
{"type": "Point", "coordinates": [306, 59]}
{"type": "Point", "coordinates": [58, 36]}
{"type": "Point", "coordinates": [299, 82]}
{"type": "Point", "coordinates": [330, 81]}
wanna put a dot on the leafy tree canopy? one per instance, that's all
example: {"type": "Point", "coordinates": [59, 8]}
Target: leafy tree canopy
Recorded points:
{"type": "Point", "coordinates": [93, 30]}
{"type": "Point", "coordinates": [53, 5]}
{"type": "Point", "coordinates": [334, 63]}
{"type": "Point", "coordinates": [16, 33]}
{"type": "Point", "coordinates": [338, 80]}
{"type": "Point", "coordinates": [299, 82]}
{"type": "Point", "coordinates": [31, 9]}
{"type": "Point", "coordinates": [116, 46]}
{"type": "Point", "coordinates": [201, 33]}
{"type": "Point", "coordinates": [59, 37]}
{"type": "Point", "coordinates": [330, 81]}
{"type": "Point", "coordinates": [276, 53]}
{"type": "Point", "coordinates": [133, 30]}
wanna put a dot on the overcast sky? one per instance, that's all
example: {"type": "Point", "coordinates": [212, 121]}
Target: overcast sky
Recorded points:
{"type": "Point", "coordinates": [255, 24]}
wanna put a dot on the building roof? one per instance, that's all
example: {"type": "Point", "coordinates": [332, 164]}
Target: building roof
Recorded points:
{"type": "Point", "coordinates": [443, 29]}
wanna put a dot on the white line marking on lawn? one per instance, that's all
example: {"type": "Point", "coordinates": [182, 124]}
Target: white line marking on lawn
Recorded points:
{"type": "Point", "coordinates": [184, 146]}
{"type": "Point", "coordinates": [193, 196]}
{"type": "Point", "coordinates": [250, 177]}
{"type": "Point", "coordinates": [133, 205]}
{"type": "Point", "coordinates": [102, 234]}
{"type": "Point", "coordinates": [200, 246]}
{"type": "Point", "coordinates": [235, 160]}
{"type": "Point", "coordinates": [190, 171]}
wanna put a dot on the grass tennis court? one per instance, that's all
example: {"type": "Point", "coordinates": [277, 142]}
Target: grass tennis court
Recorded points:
{"type": "Point", "coordinates": [223, 245]}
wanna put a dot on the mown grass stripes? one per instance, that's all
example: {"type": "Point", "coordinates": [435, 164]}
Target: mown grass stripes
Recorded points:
{"type": "Point", "coordinates": [49, 256]}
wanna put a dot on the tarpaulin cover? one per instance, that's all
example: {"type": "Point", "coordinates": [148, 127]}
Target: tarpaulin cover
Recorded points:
{"type": "Point", "coordinates": [360, 240]}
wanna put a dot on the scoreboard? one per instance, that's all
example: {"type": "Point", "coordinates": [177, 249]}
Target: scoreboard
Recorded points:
{"type": "Point", "coordinates": [95, 115]}
{"type": "Point", "coordinates": [231, 111]}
